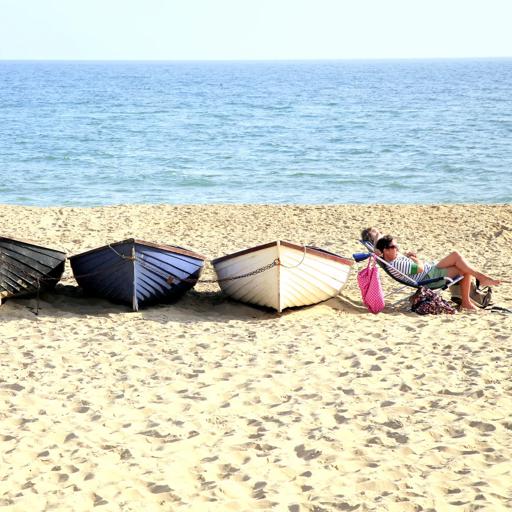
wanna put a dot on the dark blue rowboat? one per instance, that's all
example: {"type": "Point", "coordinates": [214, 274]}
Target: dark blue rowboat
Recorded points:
{"type": "Point", "coordinates": [28, 268]}
{"type": "Point", "coordinates": [136, 272]}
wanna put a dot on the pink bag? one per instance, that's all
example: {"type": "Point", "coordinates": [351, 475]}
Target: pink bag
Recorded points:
{"type": "Point", "coordinates": [371, 289]}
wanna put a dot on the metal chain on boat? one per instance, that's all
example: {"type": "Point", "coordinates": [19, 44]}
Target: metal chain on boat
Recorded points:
{"type": "Point", "coordinates": [169, 277]}
{"type": "Point", "coordinates": [274, 263]}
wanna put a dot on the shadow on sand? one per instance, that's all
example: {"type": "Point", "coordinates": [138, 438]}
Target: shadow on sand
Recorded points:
{"type": "Point", "coordinates": [194, 306]}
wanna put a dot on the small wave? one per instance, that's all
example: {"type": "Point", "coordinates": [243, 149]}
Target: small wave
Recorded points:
{"type": "Point", "coordinates": [196, 182]}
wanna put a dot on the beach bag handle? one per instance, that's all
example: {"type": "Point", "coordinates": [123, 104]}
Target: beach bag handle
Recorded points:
{"type": "Point", "coordinates": [368, 280]}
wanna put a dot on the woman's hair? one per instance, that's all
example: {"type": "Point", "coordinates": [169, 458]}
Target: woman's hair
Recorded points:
{"type": "Point", "coordinates": [370, 235]}
{"type": "Point", "coordinates": [384, 242]}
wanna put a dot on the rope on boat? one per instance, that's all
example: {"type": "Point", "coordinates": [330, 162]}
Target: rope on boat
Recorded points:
{"type": "Point", "coordinates": [300, 262]}
{"type": "Point", "coordinates": [122, 256]}
{"type": "Point", "coordinates": [38, 303]}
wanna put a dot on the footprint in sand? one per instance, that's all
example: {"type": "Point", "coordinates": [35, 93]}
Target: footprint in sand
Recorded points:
{"type": "Point", "coordinates": [482, 426]}
{"type": "Point", "coordinates": [305, 454]}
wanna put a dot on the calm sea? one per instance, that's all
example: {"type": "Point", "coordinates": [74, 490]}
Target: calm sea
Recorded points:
{"type": "Point", "coordinates": [96, 133]}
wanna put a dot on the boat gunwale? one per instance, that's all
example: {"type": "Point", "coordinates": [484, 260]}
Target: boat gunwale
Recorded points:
{"type": "Point", "coordinates": [309, 250]}
{"type": "Point", "coordinates": [32, 243]}
{"type": "Point", "coordinates": [168, 248]}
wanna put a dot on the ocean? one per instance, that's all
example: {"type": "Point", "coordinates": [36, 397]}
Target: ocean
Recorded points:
{"type": "Point", "coordinates": [100, 133]}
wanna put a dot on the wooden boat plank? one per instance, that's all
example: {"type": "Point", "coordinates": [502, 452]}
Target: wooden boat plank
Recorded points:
{"type": "Point", "coordinates": [106, 279]}
{"type": "Point", "coordinates": [153, 288]}
{"type": "Point", "coordinates": [305, 281]}
{"type": "Point", "coordinates": [149, 284]}
{"type": "Point", "coordinates": [309, 278]}
{"type": "Point", "coordinates": [314, 277]}
{"type": "Point", "coordinates": [164, 263]}
{"type": "Point", "coordinates": [146, 288]}
{"type": "Point", "coordinates": [17, 275]}
{"type": "Point", "coordinates": [297, 297]}
{"type": "Point", "coordinates": [240, 286]}
{"type": "Point", "coordinates": [39, 262]}
{"type": "Point", "coordinates": [13, 283]}
{"type": "Point", "coordinates": [26, 267]}
{"type": "Point", "coordinates": [107, 285]}
{"type": "Point", "coordinates": [258, 290]}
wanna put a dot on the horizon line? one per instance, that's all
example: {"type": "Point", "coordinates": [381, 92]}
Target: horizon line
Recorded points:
{"type": "Point", "coordinates": [345, 59]}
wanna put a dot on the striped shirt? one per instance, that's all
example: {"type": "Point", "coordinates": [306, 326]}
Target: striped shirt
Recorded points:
{"type": "Point", "coordinates": [406, 266]}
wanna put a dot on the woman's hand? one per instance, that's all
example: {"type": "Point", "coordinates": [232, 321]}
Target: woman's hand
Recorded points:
{"type": "Point", "coordinates": [412, 256]}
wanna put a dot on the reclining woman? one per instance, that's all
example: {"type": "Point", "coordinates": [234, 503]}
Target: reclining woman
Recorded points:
{"type": "Point", "coordinates": [371, 235]}
{"type": "Point", "coordinates": [450, 266]}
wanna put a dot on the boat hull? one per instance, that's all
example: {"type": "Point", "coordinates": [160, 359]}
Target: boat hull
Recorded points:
{"type": "Point", "coordinates": [300, 276]}
{"type": "Point", "coordinates": [137, 273]}
{"type": "Point", "coordinates": [27, 268]}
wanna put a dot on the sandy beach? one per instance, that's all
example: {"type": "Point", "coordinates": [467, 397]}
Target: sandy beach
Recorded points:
{"type": "Point", "coordinates": [213, 405]}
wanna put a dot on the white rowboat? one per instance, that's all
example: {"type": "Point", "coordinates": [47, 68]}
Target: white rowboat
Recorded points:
{"type": "Point", "coordinates": [293, 275]}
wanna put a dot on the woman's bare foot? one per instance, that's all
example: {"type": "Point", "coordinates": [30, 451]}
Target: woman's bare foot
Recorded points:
{"type": "Point", "coordinates": [468, 306]}
{"type": "Point", "coordinates": [487, 281]}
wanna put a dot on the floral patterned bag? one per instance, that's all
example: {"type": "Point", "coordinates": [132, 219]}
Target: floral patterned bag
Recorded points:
{"type": "Point", "coordinates": [427, 302]}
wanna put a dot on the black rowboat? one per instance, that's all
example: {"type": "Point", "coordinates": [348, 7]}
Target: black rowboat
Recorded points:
{"type": "Point", "coordinates": [28, 268]}
{"type": "Point", "coordinates": [136, 272]}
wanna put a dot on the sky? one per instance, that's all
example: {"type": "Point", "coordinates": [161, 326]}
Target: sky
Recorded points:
{"type": "Point", "coordinates": [253, 29]}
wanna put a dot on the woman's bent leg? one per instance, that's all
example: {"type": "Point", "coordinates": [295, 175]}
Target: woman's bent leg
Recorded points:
{"type": "Point", "coordinates": [465, 289]}
{"type": "Point", "coordinates": [465, 286]}
{"type": "Point", "coordinates": [455, 259]}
